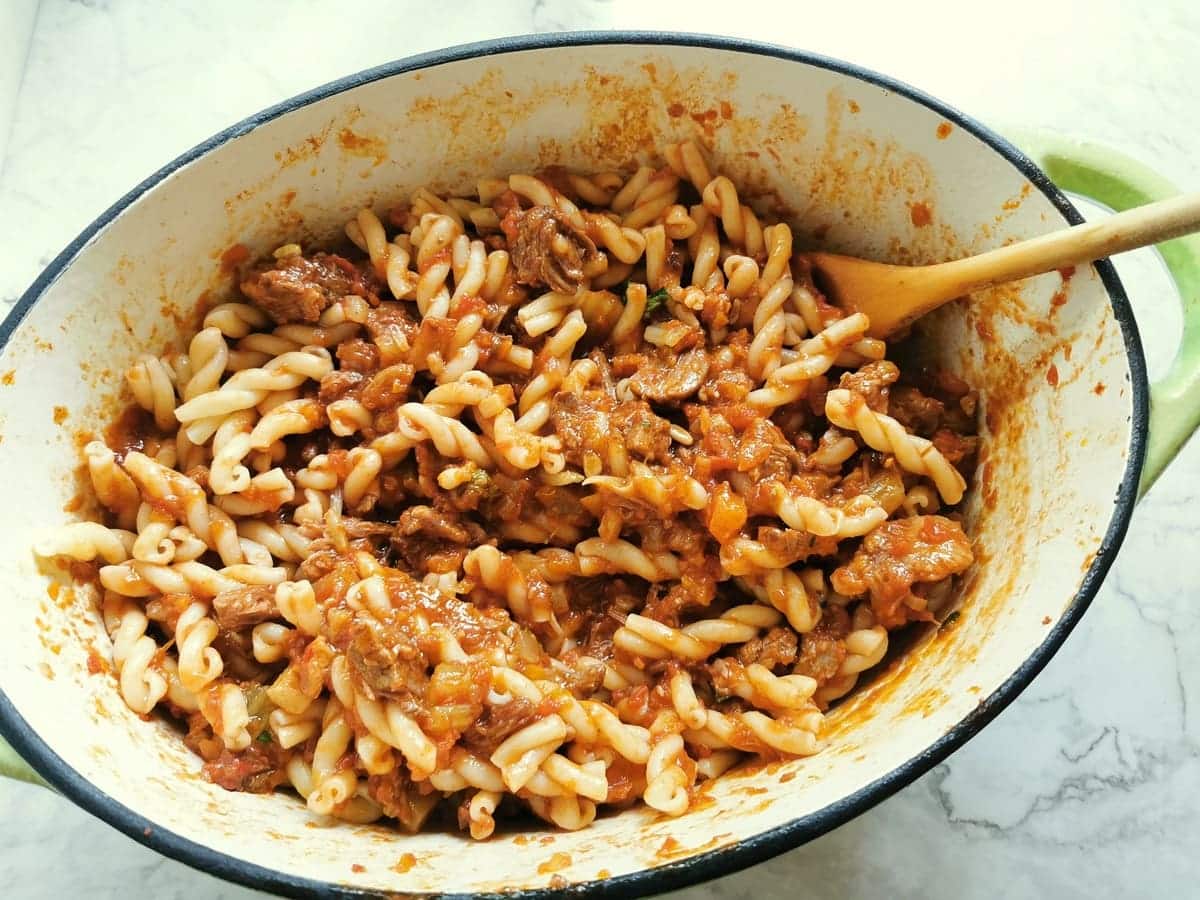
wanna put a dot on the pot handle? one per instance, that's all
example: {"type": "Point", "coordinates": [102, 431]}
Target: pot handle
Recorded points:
{"type": "Point", "coordinates": [1119, 182]}
{"type": "Point", "coordinates": [12, 766]}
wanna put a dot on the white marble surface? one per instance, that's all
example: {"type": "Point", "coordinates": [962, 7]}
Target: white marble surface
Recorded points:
{"type": "Point", "coordinates": [1089, 784]}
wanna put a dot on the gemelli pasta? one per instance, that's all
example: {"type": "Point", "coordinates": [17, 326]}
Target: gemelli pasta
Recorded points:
{"type": "Point", "coordinates": [553, 499]}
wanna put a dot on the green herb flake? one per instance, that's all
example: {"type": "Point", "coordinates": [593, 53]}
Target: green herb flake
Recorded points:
{"type": "Point", "coordinates": [264, 737]}
{"type": "Point", "coordinates": [654, 301]}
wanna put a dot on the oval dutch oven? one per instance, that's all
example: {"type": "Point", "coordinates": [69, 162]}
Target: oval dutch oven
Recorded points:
{"type": "Point", "coordinates": [858, 163]}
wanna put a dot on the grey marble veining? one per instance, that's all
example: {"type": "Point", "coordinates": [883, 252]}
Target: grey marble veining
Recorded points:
{"type": "Point", "coordinates": [1089, 784]}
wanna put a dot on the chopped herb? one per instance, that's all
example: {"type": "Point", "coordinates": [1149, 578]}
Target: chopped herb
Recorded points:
{"type": "Point", "coordinates": [654, 301]}
{"type": "Point", "coordinates": [264, 737]}
{"type": "Point", "coordinates": [622, 290]}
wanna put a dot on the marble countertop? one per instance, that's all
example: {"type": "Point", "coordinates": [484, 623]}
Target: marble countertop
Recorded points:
{"type": "Point", "coordinates": [1089, 784]}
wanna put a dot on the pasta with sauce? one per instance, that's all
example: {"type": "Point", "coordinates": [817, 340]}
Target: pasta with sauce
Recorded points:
{"type": "Point", "coordinates": [566, 495]}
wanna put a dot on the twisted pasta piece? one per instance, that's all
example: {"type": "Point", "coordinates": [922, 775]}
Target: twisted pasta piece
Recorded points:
{"type": "Point", "coordinates": [686, 161]}
{"type": "Point", "coordinates": [667, 492]}
{"type": "Point", "coordinates": [291, 417]}
{"type": "Point", "coordinates": [173, 491]}
{"type": "Point", "coordinates": [332, 785]}
{"type": "Point", "coordinates": [235, 320]}
{"type": "Point", "coordinates": [883, 433]}
{"type": "Point", "coordinates": [787, 592]}
{"type": "Point", "coordinates": [208, 356]}
{"type": "Point", "coordinates": [231, 444]}
{"type": "Point", "coordinates": [387, 722]}
{"type": "Point", "coordinates": [417, 423]}
{"type": "Point", "coordinates": [598, 557]}
{"type": "Point", "coordinates": [114, 488]}
{"type": "Point", "coordinates": [647, 638]}
{"type": "Point", "coordinates": [86, 541]}
{"type": "Point", "coordinates": [791, 732]}
{"type": "Point", "coordinates": [153, 386]}
{"type": "Point", "coordinates": [497, 572]}
{"type": "Point", "coordinates": [140, 679]}
{"type": "Point", "coordinates": [814, 357]}
{"type": "Point", "coordinates": [761, 687]}
{"type": "Point", "coordinates": [224, 707]}
{"type": "Point", "coordinates": [202, 415]}
{"type": "Point", "coordinates": [521, 754]}
{"type": "Point", "coordinates": [667, 780]}
{"type": "Point", "coordinates": [856, 518]}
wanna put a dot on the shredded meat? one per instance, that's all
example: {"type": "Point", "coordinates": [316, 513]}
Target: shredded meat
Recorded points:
{"type": "Point", "coordinates": [299, 289]}
{"type": "Point", "coordinates": [822, 650]}
{"type": "Point", "coordinates": [339, 384]}
{"type": "Point", "coordinates": [237, 651]}
{"type": "Point", "coordinates": [872, 381]}
{"type": "Point", "coordinates": [912, 409]}
{"type": "Point", "coordinates": [385, 667]}
{"type": "Point", "coordinates": [668, 378]}
{"type": "Point", "coordinates": [775, 648]}
{"type": "Point", "coordinates": [357, 355]}
{"type": "Point", "coordinates": [435, 540]}
{"type": "Point", "coordinates": [898, 554]}
{"type": "Point", "coordinates": [253, 769]}
{"type": "Point", "coordinates": [645, 434]}
{"type": "Point", "coordinates": [245, 606]}
{"type": "Point", "coordinates": [388, 388]}
{"type": "Point", "coordinates": [398, 797]}
{"type": "Point", "coordinates": [581, 422]}
{"type": "Point", "coordinates": [545, 248]}
{"type": "Point", "coordinates": [498, 722]}
{"type": "Point", "coordinates": [955, 447]}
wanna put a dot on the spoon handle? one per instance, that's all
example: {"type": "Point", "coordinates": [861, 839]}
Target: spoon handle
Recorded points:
{"type": "Point", "coordinates": [1084, 243]}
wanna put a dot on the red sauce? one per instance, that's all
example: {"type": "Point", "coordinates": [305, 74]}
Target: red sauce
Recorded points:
{"type": "Point", "coordinates": [555, 863]}
{"type": "Point", "coordinates": [920, 214]}
{"type": "Point", "coordinates": [1052, 375]}
{"type": "Point", "coordinates": [943, 131]}
{"type": "Point", "coordinates": [234, 256]}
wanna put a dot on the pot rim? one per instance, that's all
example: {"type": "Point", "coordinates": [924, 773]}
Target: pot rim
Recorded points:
{"type": "Point", "coordinates": [714, 863]}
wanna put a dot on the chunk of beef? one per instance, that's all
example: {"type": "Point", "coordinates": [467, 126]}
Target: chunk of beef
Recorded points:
{"type": "Point", "coordinates": [391, 329]}
{"type": "Point", "coordinates": [822, 650]}
{"type": "Point", "coordinates": [253, 770]}
{"type": "Point", "coordinates": [498, 722]}
{"type": "Point", "coordinates": [898, 554]}
{"type": "Point", "coordinates": [434, 540]}
{"type": "Point", "coordinates": [385, 667]}
{"type": "Point", "coordinates": [668, 378]}
{"type": "Point", "coordinates": [398, 797]}
{"type": "Point", "coordinates": [357, 355]}
{"type": "Point", "coordinates": [299, 288]}
{"type": "Point", "coordinates": [545, 248]}
{"type": "Point", "coordinates": [388, 388]}
{"type": "Point", "coordinates": [872, 382]}
{"type": "Point", "coordinates": [645, 434]}
{"type": "Point", "coordinates": [245, 606]}
{"type": "Point", "coordinates": [775, 648]}
{"type": "Point", "coordinates": [955, 447]}
{"type": "Point", "coordinates": [339, 384]}
{"type": "Point", "coordinates": [581, 422]}
{"type": "Point", "coordinates": [915, 411]}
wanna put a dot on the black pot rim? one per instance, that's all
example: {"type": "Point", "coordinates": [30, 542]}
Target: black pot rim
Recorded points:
{"type": "Point", "coordinates": [749, 851]}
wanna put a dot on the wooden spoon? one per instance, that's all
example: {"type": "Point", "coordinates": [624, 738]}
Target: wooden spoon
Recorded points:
{"type": "Point", "coordinates": [893, 296]}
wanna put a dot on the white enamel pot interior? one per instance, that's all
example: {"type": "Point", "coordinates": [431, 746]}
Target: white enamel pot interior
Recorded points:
{"type": "Point", "coordinates": [857, 163]}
